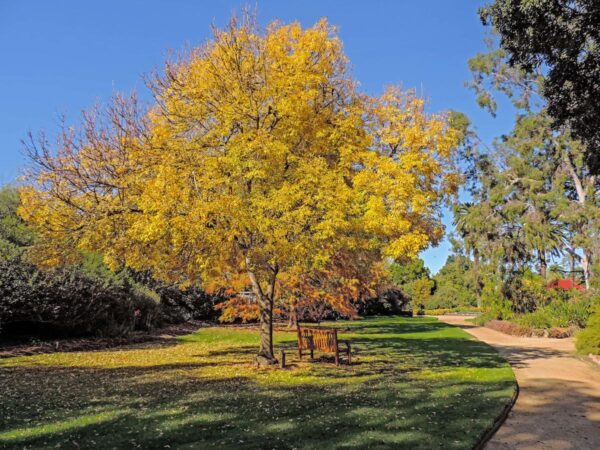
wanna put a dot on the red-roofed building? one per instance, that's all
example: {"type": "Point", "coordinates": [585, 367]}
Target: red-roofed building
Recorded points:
{"type": "Point", "coordinates": [564, 283]}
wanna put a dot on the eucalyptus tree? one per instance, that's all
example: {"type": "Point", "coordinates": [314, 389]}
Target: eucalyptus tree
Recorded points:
{"type": "Point", "coordinates": [548, 190]}
{"type": "Point", "coordinates": [562, 37]}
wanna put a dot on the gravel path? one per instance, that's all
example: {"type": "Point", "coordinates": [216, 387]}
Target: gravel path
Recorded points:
{"type": "Point", "coordinates": [559, 401]}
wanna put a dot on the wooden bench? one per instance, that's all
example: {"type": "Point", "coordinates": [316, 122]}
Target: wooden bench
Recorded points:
{"type": "Point", "coordinates": [321, 339]}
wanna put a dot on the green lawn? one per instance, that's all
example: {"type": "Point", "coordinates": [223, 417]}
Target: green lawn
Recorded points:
{"type": "Point", "coordinates": [416, 383]}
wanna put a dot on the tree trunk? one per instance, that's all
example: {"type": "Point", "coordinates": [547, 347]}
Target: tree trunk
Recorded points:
{"type": "Point", "coordinates": [478, 283]}
{"type": "Point", "coordinates": [293, 320]}
{"type": "Point", "coordinates": [581, 184]}
{"type": "Point", "coordinates": [265, 354]}
{"type": "Point", "coordinates": [265, 304]}
{"type": "Point", "coordinates": [585, 265]}
{"type": "Point", "coordinates": [543, 264]}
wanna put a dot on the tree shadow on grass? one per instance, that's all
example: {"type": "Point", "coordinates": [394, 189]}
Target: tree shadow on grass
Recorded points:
{"type": "Point", "coordinates": [384, 401]}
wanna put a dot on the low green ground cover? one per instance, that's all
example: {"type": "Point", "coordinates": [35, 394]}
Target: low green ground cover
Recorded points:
{"type": "Point", "coordinates": [416, 383]}
{"type": "Point", "coordinates": [457, 310]}
{"type": "Point", "coordinates": [588, 340]}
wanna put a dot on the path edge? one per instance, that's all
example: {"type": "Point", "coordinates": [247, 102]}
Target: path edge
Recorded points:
{"type": "Point", "coordinates": [489, 432]}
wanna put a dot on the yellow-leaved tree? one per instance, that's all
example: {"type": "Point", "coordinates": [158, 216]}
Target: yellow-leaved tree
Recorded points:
{"type": "Point", "coordinates": [259, 161]}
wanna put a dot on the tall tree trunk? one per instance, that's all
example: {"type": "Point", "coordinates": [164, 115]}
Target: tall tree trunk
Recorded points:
{"type": "Point", "coordinates": [581, 184]}
{"type": "Point", "coordinates": [543, 264]}
{"type": "Point", "coordinates": [265, 301]}
{"type": "Point", "coordinates": [586, 265]}
{"type": "Point", "coordinates": [478, 283]}
{"type": "Point", "coordinates": [265, 354]}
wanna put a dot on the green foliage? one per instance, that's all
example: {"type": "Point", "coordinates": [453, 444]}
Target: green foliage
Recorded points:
{"type": "Point", "coordinates": [563, 37]}
{"type": "Point", "coordinates": [535, 199]}
{"type": "Point", "coordinates": [415, 384]}
{"type": "Point", "coordinates": [420, 290]}
{"type": "Point", "coordinates": [526, 292]}
{"type": "Point", "coordinates": [557, 313]}
{"type": "Point", "coordinates": [526, 301]}
{"type": "Point", "coordinates": [15, 235]}
{"type": "Point", "coordinates": [414, 279]}
{"type": "Point", "coordinates": [459, 309]}
{"type": "Point", "coordinates": [180, 304]}
{"type": "Point", "coordinates": [66, 301]}
{"type": "Point", "coordinates": [588, 340]}
{"type": "Point", "coordinates": [392, 302]}
{"type": "Point", "coordinates": [493, 299]}
{"type": "Point", "coordinates": [406, 272]}
{"type": "Point", "coordinates": [92, 300]}
{"type": "Point", "coordinates": [483, 318]}
{"type": "Point", "coordinates": [456, 284]}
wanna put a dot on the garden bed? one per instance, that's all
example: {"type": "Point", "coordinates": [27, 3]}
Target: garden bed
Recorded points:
{"type": "Point", "coordinates": [514, 329]}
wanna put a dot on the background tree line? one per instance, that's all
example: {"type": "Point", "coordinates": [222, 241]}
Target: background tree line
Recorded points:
{"type": "Point", "coordinates": [531, 212]}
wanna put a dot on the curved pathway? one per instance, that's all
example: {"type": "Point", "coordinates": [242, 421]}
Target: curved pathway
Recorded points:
{"type": "Point", "coordinates": [559, 401]}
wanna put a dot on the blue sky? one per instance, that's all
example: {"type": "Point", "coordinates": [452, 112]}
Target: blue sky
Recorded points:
{"type": "Point", "coordinates": [62, 56]}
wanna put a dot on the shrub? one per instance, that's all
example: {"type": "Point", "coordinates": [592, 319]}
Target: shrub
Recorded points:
{"type": "Point", "coordinates": [507, 327]}
{"type": "Point", "coordinates": [526, 292]}
{"type": "Point", "coordinates": [180, 305]}
{"type": "Point", "coordinates": [459, 309]}
{"type": "Point", "coordinates": [567, 309]}
{"type": "Point", "coordinates": [66, 301]}
{"type": "Point", "coordinates": [540, 318]}
{"type": "Point", "coordinates": [392, 302]}
{"type": "Point", "coordinates": [484, 318]}
{"type": "Point", "coordinates": [588, 340]}
{"type": "Point", "coordinates": [493, 300]}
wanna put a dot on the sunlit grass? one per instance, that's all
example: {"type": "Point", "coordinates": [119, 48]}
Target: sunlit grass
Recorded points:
{"type": "Point", "coordinates": [416, 383]}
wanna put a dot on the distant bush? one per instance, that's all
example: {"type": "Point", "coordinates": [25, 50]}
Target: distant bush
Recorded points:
{"type": "Point", "coordinates": [561, 312]}
{"type": "Point", "coordinates": [588, 340]}
{"type": "Point", "coordinates": [484, 318]}
{"type": "Point", "coordinates": [90, 300]}
{"type": "Point", "coordinates": [556, 314]}
{"type": "Point", "coordinates": [67, 301]}
{"type": "Point", "coordinates": [193, 303]}
{"type": "Point", "coordinates": [456, 285]}
{"type": "Point", "coordinates": [180, 304]}
{"type": "Point", "coordinates": [392, 302]}
{"type": "Point", "coordinates": [459, 309]}
{"type": "Point", "coordinates": [526, 292]}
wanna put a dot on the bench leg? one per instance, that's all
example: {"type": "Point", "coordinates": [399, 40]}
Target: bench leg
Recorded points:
{"type": "Point", "coordinates": [337, 357]}
{"type": "Point", "coordinates": [349, 352]}
{"type": "Point", "coordinates": [282, 359]}
{"type": "Point", "coordinates": [312, 354]}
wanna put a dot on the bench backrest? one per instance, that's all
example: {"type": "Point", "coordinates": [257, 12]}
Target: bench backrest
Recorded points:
{"type": "Point", "coordinates": [322, 339]}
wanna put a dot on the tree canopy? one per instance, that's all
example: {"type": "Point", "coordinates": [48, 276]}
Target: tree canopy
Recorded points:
{"type": "Point", "coordinates": [563, 37]}
{"type": "Point", "coordinates": [260, 161]}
